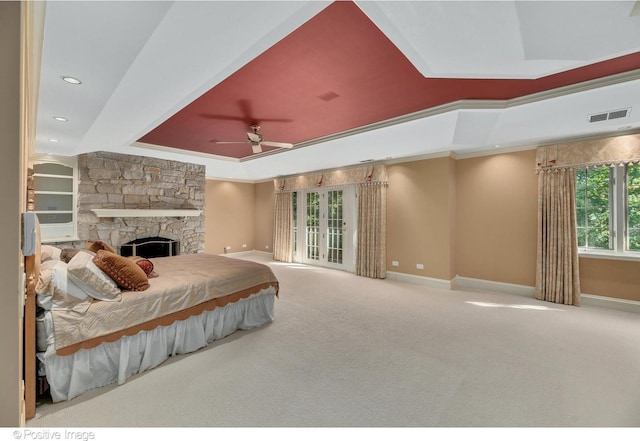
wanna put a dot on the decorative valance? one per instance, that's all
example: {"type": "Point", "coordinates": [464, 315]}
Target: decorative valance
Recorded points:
{"type": "Point", "coordinates": [614, 151]}
{"type": "Point", "coordinates": [335, 178]}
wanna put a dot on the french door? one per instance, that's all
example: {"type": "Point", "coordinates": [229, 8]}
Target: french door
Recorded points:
{"type": "Point", "coordinates": [325, 230]}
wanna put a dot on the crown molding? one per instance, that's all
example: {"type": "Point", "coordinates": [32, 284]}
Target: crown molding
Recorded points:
{"type": "Point", "coordinates": [484, 105]}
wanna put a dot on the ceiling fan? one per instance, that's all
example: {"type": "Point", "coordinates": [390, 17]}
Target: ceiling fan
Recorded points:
{"type": "Point", "coordinates": [255, 139]}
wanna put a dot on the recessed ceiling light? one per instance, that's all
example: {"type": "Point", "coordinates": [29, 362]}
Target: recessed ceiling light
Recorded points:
{"type": "Point", "coordinates": [60, 118]}
{"type": "Point", "coordinates": [54, 140]}
{"type": "Point", "coordinates": [71, 80]}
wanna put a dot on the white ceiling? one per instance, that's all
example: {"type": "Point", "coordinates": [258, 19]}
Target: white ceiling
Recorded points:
{"type": "Point", "coordinates": [140, 62]}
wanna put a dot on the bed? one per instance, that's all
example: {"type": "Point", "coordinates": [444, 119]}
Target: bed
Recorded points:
{"type": "Point", "coordinates": [89, 335]}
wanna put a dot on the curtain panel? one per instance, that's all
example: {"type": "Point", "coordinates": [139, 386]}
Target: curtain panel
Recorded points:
{"type": "Point", "coordinates": [283, 227]}
{"type": "Point", "coordinates": [371, 258]}
{"type": "Point", "coordinates": [557, 271]}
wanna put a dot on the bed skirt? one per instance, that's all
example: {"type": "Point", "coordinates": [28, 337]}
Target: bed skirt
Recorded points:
{"type": "Point", "coordinates": [71, 375]}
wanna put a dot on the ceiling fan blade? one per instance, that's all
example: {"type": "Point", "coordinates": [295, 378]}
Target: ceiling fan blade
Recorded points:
{"type": "Point", "coordinates": [282, 145]}
{"type": "Point", "coordinates": [256, 148]}
{"type": "Point", "coordinates": [228, 142]}
{"type": "Point", "coordinates": [254, 137]}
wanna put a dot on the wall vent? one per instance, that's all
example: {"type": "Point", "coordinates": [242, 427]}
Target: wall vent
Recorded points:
{"type": "Point", "coordinates": [614, 114]}
{"type": "Point", "coordinates": [618, 114]}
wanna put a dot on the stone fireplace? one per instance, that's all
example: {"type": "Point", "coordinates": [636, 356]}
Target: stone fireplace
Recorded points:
{"type": "Point", "coordinates": [118, 181]}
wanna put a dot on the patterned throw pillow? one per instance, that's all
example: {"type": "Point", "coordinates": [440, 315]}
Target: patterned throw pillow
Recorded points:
{"type": "Point", "coordinates": [125, 272]}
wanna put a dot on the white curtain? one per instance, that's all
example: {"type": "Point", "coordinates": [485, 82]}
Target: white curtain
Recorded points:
{"type": "Point", "coordinates": [371, 258]}
{"type": "Point", "coordinates": [283, 227]}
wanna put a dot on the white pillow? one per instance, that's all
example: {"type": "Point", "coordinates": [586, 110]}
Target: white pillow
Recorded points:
{"type": "Point", "coordinates": [57, 292]}
{"type": "Point", "coordinates": [91, 279]}
{"type": "Point", "coordinates": [44, 277]}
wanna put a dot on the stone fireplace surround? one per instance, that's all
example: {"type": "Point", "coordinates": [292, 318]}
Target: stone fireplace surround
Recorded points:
{"type": "Point", "coordinates": [114, 181]}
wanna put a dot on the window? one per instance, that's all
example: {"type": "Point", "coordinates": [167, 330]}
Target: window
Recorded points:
{"type": "Point", "coordinates": [55, 198]}
{"type": "Point", "coordinates": [593, 201]}
{"type": "Point", "coordinates": [313, 226]}
{"type": "Point", "coordinates": [608, 210]}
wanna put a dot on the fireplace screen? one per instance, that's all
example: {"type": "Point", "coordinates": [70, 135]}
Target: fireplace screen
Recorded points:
{"type": "Point", "coordinates": [151, 247]}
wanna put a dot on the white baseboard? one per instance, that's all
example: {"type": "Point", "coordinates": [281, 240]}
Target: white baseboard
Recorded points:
{"type": "Point", "coordinates": [610, 303]}
{"type": "Point", "coordinates": [467, 283]}
{"type": "Point", "coordinates": [419, 280]}
{"type": "Point", "coordinates": [529, 291]}
{"type": "Point", "coordinates": [241, 253]}
{"type": "Point", "coordinates": [470, 284]}
{"type": "Point", "coordinates": [262, 252]}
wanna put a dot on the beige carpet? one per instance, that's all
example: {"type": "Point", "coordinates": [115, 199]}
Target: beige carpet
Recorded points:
{"type": "Point", "coordinates": [349, 351]}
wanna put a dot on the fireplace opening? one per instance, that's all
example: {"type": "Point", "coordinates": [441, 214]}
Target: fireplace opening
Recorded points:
{"type": "Point", "coordinates": [150, 247]}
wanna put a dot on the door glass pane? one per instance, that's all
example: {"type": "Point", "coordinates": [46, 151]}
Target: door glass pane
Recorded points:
{"type": "Point", "coordinates": [313, 226]}
{"type": "Point", "coordinates": [295, 222]}
{"type": "Point", "coordinates": [334, 226]}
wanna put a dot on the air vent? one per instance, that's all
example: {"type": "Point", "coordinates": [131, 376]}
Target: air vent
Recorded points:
{"type": "Point", "coordinates": [331, 95]}
{"type": "Point", "coordinates": [598, 117]}
{"type": "Point", "coordinates": [618, 114]}
{"type": "Point", "coordinates": [614, 114]}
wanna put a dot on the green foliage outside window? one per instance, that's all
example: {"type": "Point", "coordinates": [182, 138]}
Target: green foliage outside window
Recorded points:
{"type": "Point", "coordinates": [633, 207]}
{"type": "Point", "coordinates": [592, 207]}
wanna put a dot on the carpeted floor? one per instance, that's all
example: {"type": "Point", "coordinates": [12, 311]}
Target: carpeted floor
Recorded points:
{"type": "Point", "coordinates": [347, 351]}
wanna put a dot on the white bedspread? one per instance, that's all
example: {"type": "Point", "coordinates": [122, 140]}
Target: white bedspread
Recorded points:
{"type": "Point", "coordinates": [183, 281]}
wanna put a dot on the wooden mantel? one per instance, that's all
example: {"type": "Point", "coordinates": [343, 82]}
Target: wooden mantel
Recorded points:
{"type": "Point", "coordinates": [145, 212]}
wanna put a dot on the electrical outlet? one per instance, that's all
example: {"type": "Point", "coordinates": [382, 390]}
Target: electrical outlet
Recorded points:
{"type": "Point", "coordinates": [420, 266]}
{"type": "Point", "coordinates": [395, 263]}
{"type": "Point", "coordinates": [227, 248]}
{"type": "Point", "coordinates": [266, 247]}
{"type": "Point", "coordinates": [244, 245]}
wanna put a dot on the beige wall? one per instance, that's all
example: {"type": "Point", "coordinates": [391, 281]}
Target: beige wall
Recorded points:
{"type": "Point", "coordinates": [610, 278]}
{"type": "Point", "coordinates": [265, 199]}
{"type": "Point", "coordinates": [13, 202]}
{"type": "Point", "coordinates": [419, 222]}
{"type": "Point", "coordinates": [229, 216]}
{"type": "Point", "coordinates": [238, 214]}
{"type": "Point", "coordinates": [496, 218]}
{"type": "Point", "coordinates": [473, 217]}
